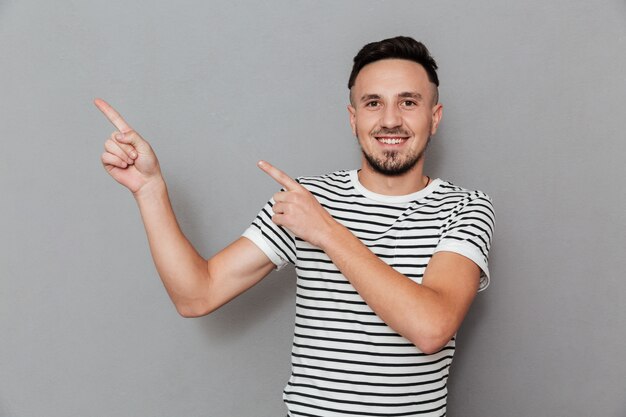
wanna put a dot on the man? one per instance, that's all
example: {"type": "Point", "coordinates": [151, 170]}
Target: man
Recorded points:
{"type": "Point", "coordinates": [388, 260]}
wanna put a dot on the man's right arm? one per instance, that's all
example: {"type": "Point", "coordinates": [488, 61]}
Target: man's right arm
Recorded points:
{"type": "Point", "coordinates": [195, 285]}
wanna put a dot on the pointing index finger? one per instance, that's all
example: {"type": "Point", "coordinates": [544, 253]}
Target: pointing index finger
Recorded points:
{"type": "Point", "coordinates": [113, 116]}
{"type": "Point", "coordinates": [279, 176]}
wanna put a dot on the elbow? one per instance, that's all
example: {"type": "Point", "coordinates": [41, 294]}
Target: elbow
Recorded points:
{"type": "Point", "coordinates": [194, 301]}
{"type": "Point", "coordinates": [432, 340]}
{"type": "Point", "coordinates": [193, 309]}
{"type": "Point", "coordinates": [188, 313]}
{"type": "Point", "coordinates": [431, 346]}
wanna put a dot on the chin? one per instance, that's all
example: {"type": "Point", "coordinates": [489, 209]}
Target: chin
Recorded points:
{"type": "Point", "coordinates": [392, 168]}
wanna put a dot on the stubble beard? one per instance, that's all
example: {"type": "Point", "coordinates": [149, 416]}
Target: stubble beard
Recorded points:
{"type": "Point", "coordinates": [392, 163]}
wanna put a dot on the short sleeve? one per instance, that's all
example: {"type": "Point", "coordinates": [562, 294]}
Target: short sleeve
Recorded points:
{"type": "Point", "coordinates": [276, 242]}
{"type": "Point", "coordinates": [469, 232]}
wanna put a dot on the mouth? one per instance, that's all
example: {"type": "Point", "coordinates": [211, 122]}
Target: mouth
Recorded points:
{"type": "Point", "coordinates": [391, 140]}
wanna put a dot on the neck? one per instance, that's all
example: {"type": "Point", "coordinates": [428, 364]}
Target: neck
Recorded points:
{"type": "Point", "coordinates": [407, 183]}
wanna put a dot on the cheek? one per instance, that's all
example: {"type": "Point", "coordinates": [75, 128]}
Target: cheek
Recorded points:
{"type": "Point", "coordinates": [364, 124]}
{"type": "Point", "coordinates": [362, 131]}
{"type": "Point", "coordinates": [421, 124]}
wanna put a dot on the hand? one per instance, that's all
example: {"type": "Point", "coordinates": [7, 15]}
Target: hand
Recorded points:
{"type": "Point", "coordinates": [128, 158]}
{"type": "Point", "coordinates": [298, 210]}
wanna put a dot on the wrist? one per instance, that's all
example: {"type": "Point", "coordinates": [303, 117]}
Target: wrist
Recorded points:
{"type": "Point", "coordinates": [332, 232]}
{"type": "Point", "coordinates": [151, 189]}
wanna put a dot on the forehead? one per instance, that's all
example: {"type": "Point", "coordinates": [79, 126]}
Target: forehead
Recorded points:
{"type": "Point", "coordinates": [389, 75]}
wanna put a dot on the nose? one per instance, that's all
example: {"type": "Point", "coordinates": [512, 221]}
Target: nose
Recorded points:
{"type": "Point", "coordinates": [391, 117]}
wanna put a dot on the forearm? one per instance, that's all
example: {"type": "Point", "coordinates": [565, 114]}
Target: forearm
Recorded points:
{"type": "Point", "coordinates": [183, 271]}
{"type": "Point", "coordinates": [414, 311]}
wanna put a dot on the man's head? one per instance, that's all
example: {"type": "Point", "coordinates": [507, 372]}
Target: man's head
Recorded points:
{"type": "Point", "coordinates": [400, 47]}
{"type": "Point", "coordinates": [394, 106]}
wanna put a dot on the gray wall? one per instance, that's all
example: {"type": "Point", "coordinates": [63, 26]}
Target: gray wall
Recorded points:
{"type": "Point", "coordinates": [534, 95]}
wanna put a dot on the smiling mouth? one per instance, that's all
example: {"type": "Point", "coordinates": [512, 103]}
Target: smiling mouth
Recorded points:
{"type": "Point", "coordinates": [391, 140]}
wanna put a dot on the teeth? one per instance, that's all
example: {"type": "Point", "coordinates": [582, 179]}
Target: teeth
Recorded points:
{"type": "Point", "coordinates": [390, 141]}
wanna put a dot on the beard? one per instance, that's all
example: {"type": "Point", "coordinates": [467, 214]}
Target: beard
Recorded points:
{"type": "Point", "coordinates": [393, 163]}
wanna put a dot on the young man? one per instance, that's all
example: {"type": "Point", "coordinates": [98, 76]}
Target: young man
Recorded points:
{"type": "Point", "coordinates": [388, 260]}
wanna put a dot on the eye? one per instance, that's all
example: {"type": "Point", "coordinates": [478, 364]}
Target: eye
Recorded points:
{"type": "Point", "coordinates": [408, 103]}
{"type": "Point", "coordinates": [372, 104]}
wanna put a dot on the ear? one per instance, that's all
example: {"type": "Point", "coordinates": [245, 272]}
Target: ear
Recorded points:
{"type": "Point", "coordinates": [436, 117]}
{"type": "Point", "coordinates": [352, 112]}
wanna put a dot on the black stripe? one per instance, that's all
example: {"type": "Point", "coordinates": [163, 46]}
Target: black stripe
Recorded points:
{"type": "Point", "coordinates": [367, 353]}
{"type": "Point", "coordinates": [367, 214]}
{"type": "Point", "coordinates": [353, 292]}
{"type": "Point", "coordinates": [369, 363]}
{"type": "Point", "coordinates": [330, 271]}
{"type": "Point", "coordinates": [275, 230]}
{"type": "Point", "coordinates": [351, 341]}
{"type": "Point", "coordinates": [336, 310]}
{"type": "Point", "coordinates": [372, 384]}
{"type": "Point", "coordinates": [363, 323]}
{"type": "Point", "coordinates": [333, 329]}
{"type": "Point", "coordinates": [482, 251]}
{"type": "Point", "coordinates": [325, 280]}
{"type": "Point", "coordinates": [362, 413]}
{"type": "Point", "coordinates": [376, 246]}
{"type": "Point", "coordinates": [397, 375]}
{"type": "Point", "coordinates": [331, 300]}
{"type": "Point", "coordinates": [365, 403]}
{"type": "Point", "coordinates": [370, 393]}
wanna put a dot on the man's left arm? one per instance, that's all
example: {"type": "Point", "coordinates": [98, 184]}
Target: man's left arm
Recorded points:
{"type": "Point", "coordinates": [427, 314]}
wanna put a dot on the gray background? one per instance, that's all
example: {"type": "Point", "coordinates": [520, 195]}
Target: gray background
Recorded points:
{"type": "Point", "coordinates": [534, 96]}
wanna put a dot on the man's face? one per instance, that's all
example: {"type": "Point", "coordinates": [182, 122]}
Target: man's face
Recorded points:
{"type": "Point", "coordinates": [393, 115]}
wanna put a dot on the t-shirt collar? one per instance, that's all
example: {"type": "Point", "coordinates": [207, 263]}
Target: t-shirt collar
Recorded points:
{"type": "Point", "coordinates": [394, 199]}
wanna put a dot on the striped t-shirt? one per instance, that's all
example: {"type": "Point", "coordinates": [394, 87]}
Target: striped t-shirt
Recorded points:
{"type": "Point", "coordinates": [345, 360]}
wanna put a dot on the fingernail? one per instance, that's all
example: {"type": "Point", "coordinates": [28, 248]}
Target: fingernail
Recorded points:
{"type": "Point", "coordinates": [133, 154]}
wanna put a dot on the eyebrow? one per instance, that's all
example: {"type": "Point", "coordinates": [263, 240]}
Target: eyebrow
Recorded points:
{"type": "Point", "coordinates": [366, 97]}
{"type": "Point", "coordinates": [404, 94]}
{"type": "Point", "coordinates": [410, 94]}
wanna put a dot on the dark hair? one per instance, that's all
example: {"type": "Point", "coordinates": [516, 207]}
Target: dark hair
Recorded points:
{"type": "Point", "coordinates": [400, 47]}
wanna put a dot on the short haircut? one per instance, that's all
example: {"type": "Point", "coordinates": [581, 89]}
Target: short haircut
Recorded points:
{"type": "Point", "coordinates": [400, 47]}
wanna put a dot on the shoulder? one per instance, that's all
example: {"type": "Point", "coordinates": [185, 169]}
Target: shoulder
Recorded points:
{"type": "Point", "coordinates": [337, 179]}
{"type": "Point", "coordinates": [462, 195]}
{"type": "Point", "coordinates": [341, 177]}
{"type": "Point", "coordinates": [464, 203]}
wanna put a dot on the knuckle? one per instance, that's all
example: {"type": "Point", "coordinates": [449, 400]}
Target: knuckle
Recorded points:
{"type": "Point", "coordinates": [126, 147]}
{"type": "Point", "coordinates": [132, 134]}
